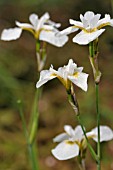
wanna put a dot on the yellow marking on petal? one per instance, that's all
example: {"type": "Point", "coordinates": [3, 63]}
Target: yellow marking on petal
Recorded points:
{"type": "Point", "coordinates": [103, 25]}
{"type": "Point", "coordinates": [76, 74]}
{"type": "Point", "coordinates": [90, 30]}
{"type": "Point", "coordinates": [28, 29]}
{"type": "Point", "coordinates": [53, 74]}
{"type": "Point", "coordinates": [37, 33]}
{"type": "Point", "coordinates": [70, 142]}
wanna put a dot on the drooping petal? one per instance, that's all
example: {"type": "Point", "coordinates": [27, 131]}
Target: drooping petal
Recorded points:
{"type": "Point", "coordinates": [61, 137]}
{"type": "Point", "coordinates": [11, 34]}
{"type": "Point", "coordinates": [24, 25]}
{"type": "Point", "coordinates": [84, 38]}
{"type": "Point", "coordinates": [66, 150]}
{"type": "Point", "coordinates": [45, 76]}
{"type": "Point", "coordinates": [67, 31]}
{"type": "Point", "coordinates": [80, 80]}
{"type": "Point", "coordinates": [105, 21]}
{"type": "Point", "coordinates": [69, 130]}
{"type": "Point", "coordinates": [50, 37]}
{"type": "Point", "coordinates": [42, 20]}
{"type": "Point", "coordinates": [34, 20]}
{"type": "Point", "coordinates": [106, 133]}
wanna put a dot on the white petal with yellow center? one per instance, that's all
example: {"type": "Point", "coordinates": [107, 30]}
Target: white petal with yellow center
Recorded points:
{"type": "Point", "coordinates": [66, 150]}
{"type": "Point", "coordinates": [84, 38]}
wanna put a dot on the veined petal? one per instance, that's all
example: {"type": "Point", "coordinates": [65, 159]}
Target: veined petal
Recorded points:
{"type": "Point", "coordinates": [80, 80]}
{"type": "Point", "coordinates": [67, 31]}
{"type": "Point", "coordinates": [50, 37]}
{"type": "Point", "coordinates": [24, 25]}
{"type": "Point", "coordinates": [34, 20]}
{"type": "Point", "coordinates": [106, 134]}
{"type": "Point", "coordinates": [66, 150]}
{"type": "Point", "coordinates": [84, 38]}
{"type": "Point", "coordinates": [45, 76]}
{"type": "Point", "coordinates": [61, 137]}
{"type": "Point", "coordinates": [11, 34]}
{"type": "Point", "coordinates": [42, 20]}
{"type": "Point", "coordinates": [76, 23]}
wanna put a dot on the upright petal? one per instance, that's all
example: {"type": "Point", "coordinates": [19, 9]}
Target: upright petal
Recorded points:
{"type": "Point", "coordinates": [42, 20]}
{"type": "Point", "coordinates": [106, 134]}
{"type": "Point", "coordinates": [94, 21]}
{"type": "Point", "coordinates": [69, 130]}
{"type": "Point", "coordinates": [11, 34]}
{"type": "Point", "coordinates": [66, 150]}
{"type": "Point", "coordinates": [50, 37]}
{"type": "Point", "coordinates": [89, 15]}
{"type": "Point", "coordinates": [34, 20]}
{"type": "Point", "coordinates": [61, 137]}
{"type": "Point", "coordinates": [80, 80]}
{"type": "Point", "coordinates": [45, 76]}
{"type": "Point", "coordinates": [78, 133]}
{"type": "Point", "coordinates": [84, 38]}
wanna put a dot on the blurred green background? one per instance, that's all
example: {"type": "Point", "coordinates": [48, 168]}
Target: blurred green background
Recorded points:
{"type": "Point", "coordinates": [18, 77]}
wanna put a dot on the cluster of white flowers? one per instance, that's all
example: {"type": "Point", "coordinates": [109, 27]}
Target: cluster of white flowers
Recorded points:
{"type": "Point", "coordinates": [43, 29]}
{"type": "Point", "coordinates": [71, 142]}
{"type": "Point", "coordinates": [46, 30]}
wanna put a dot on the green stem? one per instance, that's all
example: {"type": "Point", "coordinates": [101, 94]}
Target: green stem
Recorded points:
{"type": "Point", "coordinates": [98, 126]}
{"type": "Point", "coordinates": [34, 118]}
{"type": "Point", "coordinates": [93, 50]}
{"type": "Point", "coordinates": [32, 155]}
{"type": "Point", "coordinates": [94, 155]}
{"type": "Point", "coordinates": [73, 101]}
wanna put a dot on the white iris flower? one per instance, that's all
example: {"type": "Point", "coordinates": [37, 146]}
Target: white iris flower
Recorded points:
{"type": "Point", "coordinates": [71, 142]}
{"type": "Point", "coordinates": [90, 26]}
{"type": "Point", "coordinates": [42, 28]}
{"type": "Point", "coordinates": [67, 75]}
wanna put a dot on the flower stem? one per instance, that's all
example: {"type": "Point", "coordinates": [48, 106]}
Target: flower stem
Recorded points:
{"type": "Point", "coordinates": [31, 148]}
{"type": "Point", "coordinates": [93, 51]}
{"type": "Point", "coordinates": [98, 126]}
{"type": "Point", "coordinates": [94, 155]}
{"type": "Point", "coordinates": [73, 101]}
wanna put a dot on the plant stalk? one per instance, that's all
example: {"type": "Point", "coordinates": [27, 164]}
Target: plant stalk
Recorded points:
{"type": "Point", "coordinates": [32, 155]}
{"type": "Point", "coordinates": [93, 51]}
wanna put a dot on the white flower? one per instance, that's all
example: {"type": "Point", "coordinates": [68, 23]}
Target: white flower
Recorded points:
{"type": "Point", "coordinates": [43, 29]}
{"type": "Point", "coordinates": [90, 26]}
{"type": "Point", "coordinates": [67, 75]}
{"type": "Point", "coordinates": [72, 141]}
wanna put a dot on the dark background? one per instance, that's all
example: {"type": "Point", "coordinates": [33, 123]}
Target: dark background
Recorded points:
{"type": "Point", "coordinates": [18, 77]}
